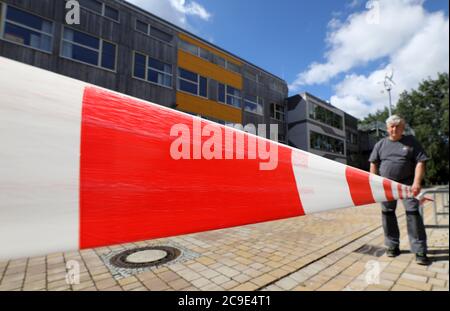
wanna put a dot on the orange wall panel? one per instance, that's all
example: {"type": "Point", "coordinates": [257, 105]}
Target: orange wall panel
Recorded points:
{"type": "Point", "coordinates": [208, 108]}
{"type": "Point", "coordinates": [196, 64]}
{"type": "Point", "coordinates": [211, 49]}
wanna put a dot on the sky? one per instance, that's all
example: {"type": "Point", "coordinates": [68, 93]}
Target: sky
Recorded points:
{"type": "Point", "coordinates": [337, 50]}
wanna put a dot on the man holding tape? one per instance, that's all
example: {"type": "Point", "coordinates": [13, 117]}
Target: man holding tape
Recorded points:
{"type": "Point", "coordinates": [401, 158]}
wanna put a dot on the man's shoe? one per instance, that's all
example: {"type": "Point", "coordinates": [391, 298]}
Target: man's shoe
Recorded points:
{"type": "Point", "coordinates": [392, 252]}
{"type": "Point", "coordinates": [422, 259]}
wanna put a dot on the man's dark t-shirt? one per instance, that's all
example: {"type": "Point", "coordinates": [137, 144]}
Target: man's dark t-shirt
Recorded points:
{"type": "Point", "coordinates": [397, 159]}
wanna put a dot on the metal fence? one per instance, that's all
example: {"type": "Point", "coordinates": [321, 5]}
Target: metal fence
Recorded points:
{"type": "Point", "coordinates": [444, 193]}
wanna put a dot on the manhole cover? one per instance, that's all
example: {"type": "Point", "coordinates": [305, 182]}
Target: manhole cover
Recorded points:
{"type": "Point", "coordinates": [148, 255]}
{"type": "Point", "coordinates": [145, 257]}
{"type": "Point", "coordinates": [372, 250]}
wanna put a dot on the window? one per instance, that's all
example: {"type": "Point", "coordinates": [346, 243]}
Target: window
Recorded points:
{"type": "Point", "coordinates": [326, 143]}
{"type": "Point", "coordinates": [351, 138]}
{"type": "Point", "coordinates": [164, 36]}
{"type": "Point", "coordinates": [254, 104]}
{"type": "Point", "coordinates": [88, 49]}
{"type": "Point", "coordinates": [111, 13]}
{"type": "Point", "coordinates": [321, 114]}
{"type": "Point", "coordinates": [207, 55]}
{"type": "Point", "coordinates": [108, 55]}
{"type": "Point", "coordinates": [251, 76]}
{"type": "Point", "coordinates": [142, 27]}
{"type": "Point", "coordinates": [152, 70]}
{"type": "Point", "coordinates": [188, 47]}
{"type": "Point", "coordinates": [277, 87]}
{"type": "Point", "coordinates": [100, 8]}
{"type": "Point", "coordinates": [155, 32]}
{"type": "Point", "coordinates": [140, 63]}
{"type": "Point", "coordinates": [27, 29]}
{"type": "Point", "coordinates": [92, 5]}
{"type": "Point", "coordinates": [233, 96]}
{"type": "Point", "coordinates": [192, 83]}
{"type": "Point", "coordinates": [204, 54]}
{"type": "Point", "coordinates": [233, 67]}
{"type": "Point", "coordinates": [221, 93]}
{"type": "Point", "coordinates": [277, 111]}
{"type": "Point", "coordinates": [203, 89]}
{"type": "Point", "coordinates": [188, 81]}
{"type": "Point", "coordinates": [221, 61]}
{"type": "Point", "coordinates": [159, 72]}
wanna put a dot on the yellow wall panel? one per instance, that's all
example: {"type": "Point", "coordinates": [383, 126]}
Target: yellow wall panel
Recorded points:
{"type": "Point", "coordinates": [207, 47]}
{"type": "Point", "coordinates": [208, 108]}
{"type": "Point", "coordinates": [198, 65]}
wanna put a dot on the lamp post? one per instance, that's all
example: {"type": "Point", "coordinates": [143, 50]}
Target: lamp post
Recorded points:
{"type": "Point", "coordinates": [388, 84]}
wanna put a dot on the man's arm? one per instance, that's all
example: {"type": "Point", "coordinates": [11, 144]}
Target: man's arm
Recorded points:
{"type": "Point", "coordinates": [373, 168]}
{"type": "Point", "coordinates": [418, 177]}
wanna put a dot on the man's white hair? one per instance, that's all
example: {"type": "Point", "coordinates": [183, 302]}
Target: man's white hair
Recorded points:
{"type": "Point", "coordinates": [395, 119]}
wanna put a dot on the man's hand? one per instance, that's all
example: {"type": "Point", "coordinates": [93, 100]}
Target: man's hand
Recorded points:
{"type": "Point", "coordinates": [416, 188]}
{"type": "Point", "coordinates": [418, 177]}
{"type": "Point", "coordinates": [373, 168]}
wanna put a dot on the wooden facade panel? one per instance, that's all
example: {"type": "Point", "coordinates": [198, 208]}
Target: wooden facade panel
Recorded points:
{"type": "Point", "coordinates": [150, 92]}
{"type": "Point", "coordinates": [127, 39]}
{"type": "Point", "coordinates": [44, 8]}
{"type": "Point", "coordinates": [26, 55]}
{"type": "Point", "coordinates": [250, 87]}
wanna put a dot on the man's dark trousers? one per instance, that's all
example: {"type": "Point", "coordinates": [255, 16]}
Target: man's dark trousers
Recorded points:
{"type": "Point", "coordinates": [414, 222]}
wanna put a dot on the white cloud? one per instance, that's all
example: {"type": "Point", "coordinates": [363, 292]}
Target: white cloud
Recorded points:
{"type": "Point", "coordinates": [353, 4]}
{"type": "Point", "coordinates": [191, 8]}
{"type": "Point", "coordinates": [414, 41]}
{"type": "Point", "coordinates": [175, 11]}
{"type": "Point", "coordinates": [426, 54]}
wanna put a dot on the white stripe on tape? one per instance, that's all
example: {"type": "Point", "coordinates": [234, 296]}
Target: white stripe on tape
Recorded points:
{"type": "Point", "coordinates": [395, 190]}
{"type": "Point", "coordinates": [321, 183]}
{"type": "Point", "coordinates": [376, 184]}
{"type": "Point", "coordinates": [40, 121]}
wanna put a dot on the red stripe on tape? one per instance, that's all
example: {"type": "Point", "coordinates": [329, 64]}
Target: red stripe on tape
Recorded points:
{"type": "Point", "coordinates": [131, 189]}
{"type": "Point", "coordinates": [400, 191]}
{"type": "Point", "coordinates": [359, 185]}
{"type": "Point", "coordinates": [387, 185]}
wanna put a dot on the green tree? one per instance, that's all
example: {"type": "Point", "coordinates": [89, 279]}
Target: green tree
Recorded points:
{"type": "Point", "coordinates": [380, 115]}
{"type": "Point", "coordinates": [426, 110]}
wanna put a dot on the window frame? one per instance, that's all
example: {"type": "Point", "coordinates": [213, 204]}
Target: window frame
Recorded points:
{"type": "Point", "coordinates": [102, 13]}
{"type": "Point", "coordinates": [149, 32]}
{"type": "Point", "coordinates": [311, 132]}
{"type": "Point", "coordinates": [257, 103]}
{"type": "Point", "coordinates": [147, 67]}
{"type": "Point", "coordinates": [197, 48]}
{"type": "Point", "coordinates": [238, 67]}
{"type": "Point", "coordinates": [162, 31]}
{"type": "Point", "coordinates": [190, 81]}
{"type": "Point", "coordinates": [313, 114]}
{"type": "Point", "coordinates": [100, 50]}
{"type": "Point", "coordinates": [224, 93]}
{"type": "Point", "coordinates": [138, 30]}
{"type": "Point", "coordinates": [234, 96]}
{"type": "Point", "coordinates": [275, 110]}
{"type": "Point", "coordinates": [210, 59]}
{"type": "Point", "coordinates": [3, 21]}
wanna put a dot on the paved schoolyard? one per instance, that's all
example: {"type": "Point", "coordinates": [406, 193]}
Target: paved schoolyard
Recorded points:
{"type": "Point", "coordinates": [337, 250]}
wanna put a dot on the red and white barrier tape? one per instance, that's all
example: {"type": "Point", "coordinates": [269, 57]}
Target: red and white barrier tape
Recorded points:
{"type": "Point", "coordinates": [81, 167]}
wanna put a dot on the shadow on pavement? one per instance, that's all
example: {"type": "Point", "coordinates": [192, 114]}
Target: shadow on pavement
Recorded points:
{"type": "Point", "coordinates": [439, 252]}
{"type": "Point", "coordinates": [436, 226]}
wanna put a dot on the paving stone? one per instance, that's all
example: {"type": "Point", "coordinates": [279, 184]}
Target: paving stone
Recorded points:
{"type": "Point", "coordinates": [301, 253]}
